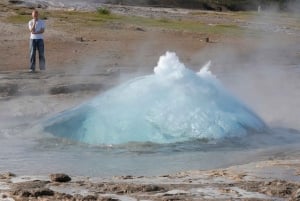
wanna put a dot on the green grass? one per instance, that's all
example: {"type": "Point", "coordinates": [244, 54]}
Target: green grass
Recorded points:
{"type": "Point", "coordinates": [22, 15]}
{"type": "Point", "coordinates": [183, 25]}
{"type": "Point", "coordinates": [96, 18]}
{"type": "Point", "coordinates": [21, 18]}
{"type": "Point", "coordinates": [80, 18]}
{"type": "Point", "coordinates": [18, 19]}
{"type": "Point", "coordinates": [103, 11]}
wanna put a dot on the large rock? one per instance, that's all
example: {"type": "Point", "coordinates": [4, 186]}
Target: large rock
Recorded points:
{"type": "Point", "coordinates": [60, 177]}
{"type": "Point", "coordinates": [35, 192]}
{"type": "Point", "coordinates": [16, 1]}
{"type": "Point", "coordinates": [7, 175]}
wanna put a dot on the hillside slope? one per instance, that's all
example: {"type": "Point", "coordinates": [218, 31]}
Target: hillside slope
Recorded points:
{"type": "Point", "coordinates": [234, 5]}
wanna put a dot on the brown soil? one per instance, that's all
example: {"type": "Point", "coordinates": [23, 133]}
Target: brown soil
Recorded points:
{"type": "Point", "coordinates": [112, 45]}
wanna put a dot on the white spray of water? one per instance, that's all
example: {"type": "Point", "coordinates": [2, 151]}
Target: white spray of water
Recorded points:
{"type": "Point", "coordinates": [174, 104]}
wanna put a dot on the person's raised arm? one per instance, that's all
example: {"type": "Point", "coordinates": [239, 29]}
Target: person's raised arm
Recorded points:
{"type": "Point", "coordinates": [32, 26]}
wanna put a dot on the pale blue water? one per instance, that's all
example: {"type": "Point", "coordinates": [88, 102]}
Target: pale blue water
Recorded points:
{"type": "Point", "coordinates": [174, 104]}
{"type": "Point", "coordinates": [28, 154]}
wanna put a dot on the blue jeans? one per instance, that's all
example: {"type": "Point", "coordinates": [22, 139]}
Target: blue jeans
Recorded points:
{"type": "Point", "coordinates": [37, 44]}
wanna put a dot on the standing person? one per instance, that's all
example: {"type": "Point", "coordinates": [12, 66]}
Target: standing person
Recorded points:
{"type": "Point", "coordinates": [36, 28]}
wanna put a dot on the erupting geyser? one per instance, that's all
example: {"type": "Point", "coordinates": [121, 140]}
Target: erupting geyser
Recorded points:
{"type": "Point", "coordinates": [174, 104]}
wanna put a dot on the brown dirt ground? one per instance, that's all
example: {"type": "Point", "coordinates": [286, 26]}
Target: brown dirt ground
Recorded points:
{"type": "Point", "coordinates": [115, 47]}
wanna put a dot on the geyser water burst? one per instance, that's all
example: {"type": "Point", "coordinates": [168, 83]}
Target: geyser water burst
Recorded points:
{"type": "Point", "coordinates": [174, 104]}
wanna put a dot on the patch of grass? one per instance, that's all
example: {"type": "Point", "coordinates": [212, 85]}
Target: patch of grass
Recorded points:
{"type": "Point", "coordinates": [18, 19]}
{"type": "Point", "coordinates": [103, 11]}
{"type": "Point", "coordinates": [22, 12]}
{"type": "Point", "coordinates": [82, 18]}
{"type": "Point", "coordinates": [43, 15]}
{"type": "Point", "coordinates": [100, 17]}
{"type": "Point", "coordinates": [164, 20]}
{"type": "Point", "coordinates": [227, 28]}
{"type": "Point", "coordinates": [23, 15]}
{"type": "Point", "coordinates": [97, 18]}
{"type": "Point", "coordinates": [185, 25]}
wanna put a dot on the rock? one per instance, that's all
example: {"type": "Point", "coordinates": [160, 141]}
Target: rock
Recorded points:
{"type": "Point", "coordinates": [3, 196]}
{"type": "Point", "coordinates": [43, 192]}
{"type": "Point", "coordinates": [31, 189]}
{"type": "Point", "coordinates": [8, 90]}
{"type": "Point", "coordinates": [43, 6]}
{"type": "Point", "coordinates": [176, 192]}
{"type": "Point", "coordinates": [127, 177]}
{"type": "Point", "coordinates": [140, 29]}
{"type": "Point", "coordinates": [34, 192]}
{"type": "Point", "coordinates": [109, 199]}
{"type": "Point", "coordinates": [65, 89]}
{"type": "Point", "coordinates": [296, 195]}
{"type": "Point", "coordinates": [16, 1]}
{"type": "Point", "coordinates": [7, 175]}
{"type": "Point", "coordinates": [152, 188]}
{"type": "Point", "coordinates": [60, 177]}
{"type": "Point", "coordinates": [80, 39]}
{"type": "Point", "coordinates": [22, 193]}
{"type": "Point", "coordinates": [29, 5]}
{"type": "Point", "coordinates": [90, 198]}
{"type": "Point", "coordinates": [172, 198]}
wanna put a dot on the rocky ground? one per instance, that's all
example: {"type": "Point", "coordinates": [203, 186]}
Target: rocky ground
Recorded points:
{"type": "Point", "coordinates": [269, 180]}
{"type": "Point", "coordinates": [85, 60]}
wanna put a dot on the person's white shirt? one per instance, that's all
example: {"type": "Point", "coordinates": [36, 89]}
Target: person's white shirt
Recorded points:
{"type": "Point", "coordinates": [40, 24]}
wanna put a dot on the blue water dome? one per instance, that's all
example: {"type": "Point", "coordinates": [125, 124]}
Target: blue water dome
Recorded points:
{"type": "Point", "coordinates": [174, 104]}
